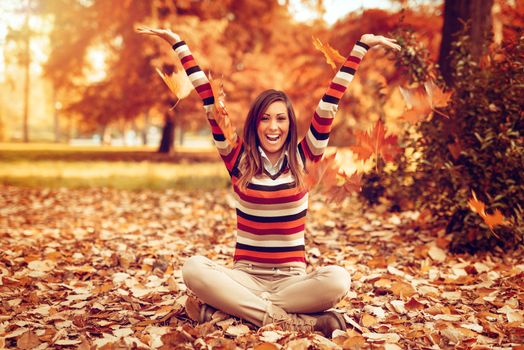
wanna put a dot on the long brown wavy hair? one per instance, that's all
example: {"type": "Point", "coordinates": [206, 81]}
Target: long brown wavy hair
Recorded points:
{"type": "Point", "coordinates": [251, 163]}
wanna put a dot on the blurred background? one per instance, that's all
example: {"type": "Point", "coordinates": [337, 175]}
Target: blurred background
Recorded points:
{"type": "Point", "coordinates": [78, 83]}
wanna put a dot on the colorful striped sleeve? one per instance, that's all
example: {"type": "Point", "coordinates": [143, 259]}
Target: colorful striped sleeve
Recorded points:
{"type": "Point", "coordinates": [317, 137]}
{"type": "Point", "coordinates": [202, 86]}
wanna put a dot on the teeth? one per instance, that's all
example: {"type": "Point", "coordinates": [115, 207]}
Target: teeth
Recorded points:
{"type": "Point", "coordinates": [272, 138]}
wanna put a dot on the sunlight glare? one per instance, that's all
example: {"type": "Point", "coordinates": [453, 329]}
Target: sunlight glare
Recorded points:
{"type": "Point", "coordinates": [96, 57]}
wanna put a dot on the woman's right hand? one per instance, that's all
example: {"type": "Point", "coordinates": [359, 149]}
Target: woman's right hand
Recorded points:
{"type": "Point", "coordinates": [166, 34]}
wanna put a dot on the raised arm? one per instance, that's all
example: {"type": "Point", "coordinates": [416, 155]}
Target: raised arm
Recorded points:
{"type": "Point", "coordinates": [316, 140]}
{"type": "Point", "coordinates": [202, 86]}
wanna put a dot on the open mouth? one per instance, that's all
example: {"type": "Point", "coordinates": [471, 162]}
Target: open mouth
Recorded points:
{"type": "Point", "coordinates": [273, 138]}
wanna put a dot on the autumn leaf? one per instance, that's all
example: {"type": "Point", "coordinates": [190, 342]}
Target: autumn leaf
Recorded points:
{"type": "Point", "coordinates": [455, 149]}
{"type": "Point", "coordinates": [334, 182]}
{"type": "Point", "coordinates": [476, 205]}
{"type": "Point", "coordinates": [337, 193]}
{"type": "Point", "coordinates": [376, 143]}
{"type": "Point", "coordinates": [333, 57]}
{"type": "Point", "coordinates": [220, 113]}
{"type": "Point", "coordinates": [178, 83]}
{"type": "Point", "coordinates": [422, 101]}
{"type": "Point", "coordinates": [479, 207]}
{"type": "Point", "coordinates": [437, 97]}
{"type": "Point", "coordinates": [315, 171]}
{"type": "Point", "coordinates": [417, 103]}
{"type": "Point", "coordinates": [494, 219]}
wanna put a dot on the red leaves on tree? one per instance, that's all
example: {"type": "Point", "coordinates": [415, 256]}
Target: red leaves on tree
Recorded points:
{"type": "Point", "coordinates": [376, 143]}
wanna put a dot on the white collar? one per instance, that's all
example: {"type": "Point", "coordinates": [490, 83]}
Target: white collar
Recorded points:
{"type": "Point", "coordinates": [272, 169]}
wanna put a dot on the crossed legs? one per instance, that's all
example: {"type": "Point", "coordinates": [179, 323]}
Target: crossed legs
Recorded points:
{"type": "Point", "coordinates": [246, 296]}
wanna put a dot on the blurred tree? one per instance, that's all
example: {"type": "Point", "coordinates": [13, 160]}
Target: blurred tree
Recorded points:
{"type": "Point", "coordinates": [457, 13]}
{"type": "Point", "coordinates": [22, 37]}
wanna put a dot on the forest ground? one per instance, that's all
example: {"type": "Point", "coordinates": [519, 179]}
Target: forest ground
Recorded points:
{"type": "Point", "coordinates": [100, 268]}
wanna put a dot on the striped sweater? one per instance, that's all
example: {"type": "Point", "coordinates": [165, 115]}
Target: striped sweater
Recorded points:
{"type": "Point", "coordinates": [271, 212]}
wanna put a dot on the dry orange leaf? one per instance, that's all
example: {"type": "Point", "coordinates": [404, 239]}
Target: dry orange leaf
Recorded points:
{"type": "Point", "coordinates": [422, 100]}
{"type": "Point", "coordinates": [368, 320]}
{"type": "Point", "coordinates": [333, 57]}
{"type": "Point", "coordinates": [479, 207]}
{"type": "Point", "coordinates": [455, 149]}
{"type": "Point", "coordinates": [402, 289]}
{"type": "Point", "coordinates": [221, 115]}
{"type": "Point", "coordinates": [376, 143]}
{"type": "Point", "coordinates": [476, 205]}
{"type": "Point", "coordinates": [494, 219]}
{"type": "Point", "coordinates": [414, 304]}
{"type": "Point", "coordinates": [266, 346]}
{"type": "Point", "coordinates": [193, 308]}
{"type": "Point", "coordinates": [177, 82]}
{"type": "Point", "coordinates": [315, 171]}
{"type": "Point", "coordinates": [326, 172]}
{"type": "Point", "coordinates": [437, 96]}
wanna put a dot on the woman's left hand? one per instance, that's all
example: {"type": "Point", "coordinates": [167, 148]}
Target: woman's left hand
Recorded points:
{"type": "Point", "coordinates": [378, 40]}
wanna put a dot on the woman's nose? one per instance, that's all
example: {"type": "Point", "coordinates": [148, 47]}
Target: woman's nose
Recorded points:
{"type": "Point", "coordinates": [273, 125]}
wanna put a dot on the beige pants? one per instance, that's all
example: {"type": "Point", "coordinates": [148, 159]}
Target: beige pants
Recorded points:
{"type": "Point", "coordinates": [248, 291]}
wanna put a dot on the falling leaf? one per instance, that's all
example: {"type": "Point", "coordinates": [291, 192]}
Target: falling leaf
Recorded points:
{"type": "Point", "coordinates": [220, 113]}
{"type": "Point", "coordinates": [421, 101]}
{"type": "Point", "coordinates": [178, 83]}
{"type": "Point", "coordinates": [327, 174]}
{"type": "Point", "coordinates": [494, 219]}
{"type": "Point", "coordinates": [315, 171]}
{"type": "Point", "coordinates": [479, 207]}
{"type": "Point", "coordinates": [437, 96]}
{"type": "Point", "coordinates": [333, 57]}
{"type": "Point", "coordinates": [375, 143]}
{"type": "Point", "coordinates": [417, 103]}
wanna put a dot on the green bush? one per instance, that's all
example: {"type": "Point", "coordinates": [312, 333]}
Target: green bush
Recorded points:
{"type": "Point", "coordinates": [486, 120]}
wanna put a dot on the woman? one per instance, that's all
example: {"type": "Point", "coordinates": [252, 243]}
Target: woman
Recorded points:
{"type": "Point", "coordinates": [269, 283]}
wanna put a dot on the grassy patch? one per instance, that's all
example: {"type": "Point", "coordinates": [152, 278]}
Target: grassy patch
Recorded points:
{"type": "Point", "coordinates": [123, 168]}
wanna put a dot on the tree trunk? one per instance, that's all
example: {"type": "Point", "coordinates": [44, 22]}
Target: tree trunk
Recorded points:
{"type": "Point", "coordinates": [27, 66]}
{"type": "Point", "coordinates": [145, 129]}
{"type": "Point", "coordinates": [456, 14]}
{"type": "Point", "coordinates": [168, 133]}
{"type": "Point", "coordinates": [56, 118]}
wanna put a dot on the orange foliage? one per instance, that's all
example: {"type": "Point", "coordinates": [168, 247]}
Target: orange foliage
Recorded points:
{"type": "Point", "coordinates": [376, 143]}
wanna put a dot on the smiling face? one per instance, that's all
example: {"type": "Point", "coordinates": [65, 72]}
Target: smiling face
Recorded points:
{"type": "Point", "coordinates": [273, 129]}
